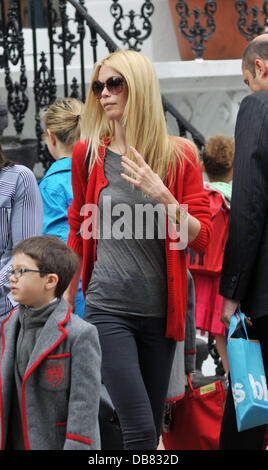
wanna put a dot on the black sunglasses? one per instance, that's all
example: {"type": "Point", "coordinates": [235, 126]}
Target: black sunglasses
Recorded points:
{"type": "Point", "coordinates": [114, 85]}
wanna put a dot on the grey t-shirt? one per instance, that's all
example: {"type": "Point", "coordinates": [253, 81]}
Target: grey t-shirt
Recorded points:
{"type": "Point", "coordinates": [129, 275]}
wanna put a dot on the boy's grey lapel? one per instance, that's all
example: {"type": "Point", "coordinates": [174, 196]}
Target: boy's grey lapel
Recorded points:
{"type": "Point", "coordinates": [9, 327]}
{"type": "Point", "coordinates": [52, 334]}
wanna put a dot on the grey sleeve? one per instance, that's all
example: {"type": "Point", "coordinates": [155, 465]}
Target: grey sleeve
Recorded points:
{"type": "Point", "coordinates": [83, 411]}
{"type": "Point", "coordinates": [27, 212]}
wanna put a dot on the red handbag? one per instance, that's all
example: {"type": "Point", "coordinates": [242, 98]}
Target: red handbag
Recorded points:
{"type": "Point", "coordinates": [196, 418]}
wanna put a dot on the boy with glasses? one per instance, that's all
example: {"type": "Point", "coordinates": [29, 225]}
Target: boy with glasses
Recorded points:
{"type": "Point", "coordinates": [49, 358]}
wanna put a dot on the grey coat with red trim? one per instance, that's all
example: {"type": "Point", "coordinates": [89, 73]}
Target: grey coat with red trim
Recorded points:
{"type": "Point", "coordinates": [61, 386]}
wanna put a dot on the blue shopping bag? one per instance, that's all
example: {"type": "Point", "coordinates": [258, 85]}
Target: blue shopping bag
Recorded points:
{"type": "Point", "coordinates": [248, 379]}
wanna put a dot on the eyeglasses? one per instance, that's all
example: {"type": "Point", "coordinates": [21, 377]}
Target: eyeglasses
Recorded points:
{"type": "Point", "coordinates": [18, 272]}
{"type": "Point", "coordinates": [114, 85]}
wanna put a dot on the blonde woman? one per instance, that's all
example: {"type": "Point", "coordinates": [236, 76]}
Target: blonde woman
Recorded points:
{"type": "Point", "coordinates": [61, 122]}
{"type": "Point", "coordinates": [134, 280]}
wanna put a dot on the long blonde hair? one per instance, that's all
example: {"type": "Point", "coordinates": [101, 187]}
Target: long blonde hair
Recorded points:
{"type": "Point", "coordinates": [143, 116]}
{"type": "Point", "coordinates": [63, 118]}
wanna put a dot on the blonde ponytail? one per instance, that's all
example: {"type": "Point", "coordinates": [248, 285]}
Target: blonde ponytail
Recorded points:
{"type": "Point", "coordinates": [63, 118]}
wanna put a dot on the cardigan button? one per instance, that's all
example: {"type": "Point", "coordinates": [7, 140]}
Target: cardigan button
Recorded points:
{"type": "Point", "coordinates": [171, 278]}
{"type": "Point", "coordinates": [172, 309]}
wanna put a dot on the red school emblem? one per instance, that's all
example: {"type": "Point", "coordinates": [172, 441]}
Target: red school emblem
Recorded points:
{"type": "Point", "coordinates": [54, 373]}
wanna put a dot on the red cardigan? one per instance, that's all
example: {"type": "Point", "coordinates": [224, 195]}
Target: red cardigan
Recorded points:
{"type": "Point", "coordinates": [187, 189]}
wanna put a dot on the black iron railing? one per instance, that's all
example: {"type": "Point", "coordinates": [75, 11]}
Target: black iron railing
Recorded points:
{"type": "Point", "coordinates": [13, 55]}
{"type": "Point", "coordinates": [75, 33]}
{"type": "Point", "coordinates": [68, 37]}
{"type": "Point", "coordinates": [185, 128]}
{"type": "Point", "coordinates": [132, 28]}
{"type": "Point", "coordinates": [198, 25]}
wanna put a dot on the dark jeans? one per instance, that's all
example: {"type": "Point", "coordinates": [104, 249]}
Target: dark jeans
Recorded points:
{"type": "Point", "coordinates": [251, 439]}
{"type": "Point", "coordinates": [136, 366]}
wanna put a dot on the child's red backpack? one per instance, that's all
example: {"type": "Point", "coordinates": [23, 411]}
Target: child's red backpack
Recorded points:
{"type": "Point", "coordinates": [210, 261]}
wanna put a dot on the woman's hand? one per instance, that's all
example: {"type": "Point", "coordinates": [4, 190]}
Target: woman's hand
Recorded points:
{"type": "Point", "coordinates": [152, 185]}
{"type": "Point", "coordinates": [143, 176]}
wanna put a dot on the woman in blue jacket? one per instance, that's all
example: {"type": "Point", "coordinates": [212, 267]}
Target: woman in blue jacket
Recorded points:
{"type": "Point", "coordinates": [62, 130]}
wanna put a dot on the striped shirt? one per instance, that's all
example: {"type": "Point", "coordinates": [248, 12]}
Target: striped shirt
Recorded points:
{"type": "Point", "coordinates": [21, 216]}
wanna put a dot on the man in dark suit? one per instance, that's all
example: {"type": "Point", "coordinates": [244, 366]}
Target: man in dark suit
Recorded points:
{"type": "Point", "coordinates": [244, 278]}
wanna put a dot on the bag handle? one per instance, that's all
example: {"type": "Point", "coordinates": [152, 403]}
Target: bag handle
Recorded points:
{"type": "Point", "coordinates": [234, 321]}
{"type": "Point", "coordinates": [190, 385]}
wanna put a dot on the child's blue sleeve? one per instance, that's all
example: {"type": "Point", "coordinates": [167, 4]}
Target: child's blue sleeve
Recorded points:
{"type": "Point", "coordinates": [55, 207]}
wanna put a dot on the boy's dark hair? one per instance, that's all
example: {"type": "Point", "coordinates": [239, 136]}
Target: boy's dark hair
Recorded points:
{"type": "Point", "coordinates": [254, 50]}
{"type": "Point", "coordinates": [51, 255]}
